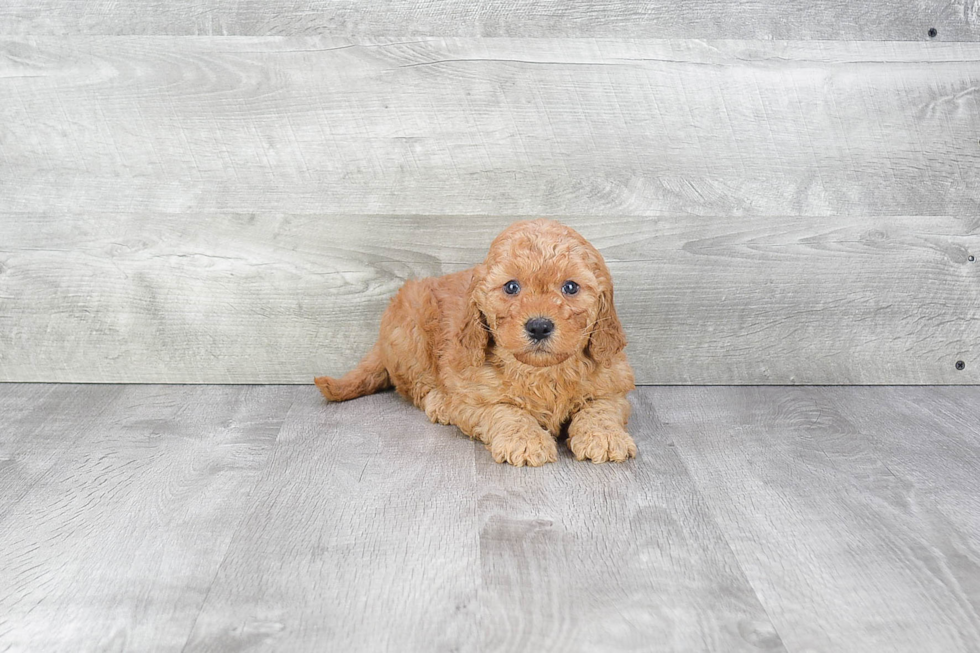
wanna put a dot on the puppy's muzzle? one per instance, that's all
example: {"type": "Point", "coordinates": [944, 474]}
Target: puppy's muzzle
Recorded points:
{"type": "Point", "coordinates": [539, 328]}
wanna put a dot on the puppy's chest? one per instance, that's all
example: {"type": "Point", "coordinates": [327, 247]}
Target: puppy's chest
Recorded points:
{"type": "Point", "coordinates": [550, 398]}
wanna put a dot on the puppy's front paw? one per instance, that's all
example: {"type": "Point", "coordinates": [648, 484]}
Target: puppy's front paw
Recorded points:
{"type": "Point", "coordinates": [531, 447]}
{"type": "Point", "coordinates": [435, 408]}
{"type": "Point", "coordinates": [601, 446]}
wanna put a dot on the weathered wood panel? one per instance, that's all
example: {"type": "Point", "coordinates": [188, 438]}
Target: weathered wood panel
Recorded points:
{"type": "Point", "coordinates": [113, 546]}
{"type": "Point", "coordinates": [278, 298]}
{"type": "Point", "coordinates": [790, 19]}
{"type": "Point", "coordinates": [844, 536]}
{"type": "Point", "coordinates": [198, 209]}
{"type": "Point", "coordinates": [489, 126]}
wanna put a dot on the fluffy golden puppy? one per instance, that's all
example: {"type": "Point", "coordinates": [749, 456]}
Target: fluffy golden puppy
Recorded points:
{"type": "Point", "coordinates": [512, 351]}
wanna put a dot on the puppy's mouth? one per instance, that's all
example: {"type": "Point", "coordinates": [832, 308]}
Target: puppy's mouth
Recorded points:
{"type": "Point", "coordinates": [538, 356]}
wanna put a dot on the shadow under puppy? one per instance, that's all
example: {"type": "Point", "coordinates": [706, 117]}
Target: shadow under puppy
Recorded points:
{"type": "Point", "coordinates": [511, 351]}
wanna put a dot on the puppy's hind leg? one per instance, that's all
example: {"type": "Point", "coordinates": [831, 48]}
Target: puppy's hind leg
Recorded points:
{"type": "Point", "coordinates": [368, 377]}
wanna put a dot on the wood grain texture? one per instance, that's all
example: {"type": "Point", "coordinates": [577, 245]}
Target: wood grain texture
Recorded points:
{"type": "Point", "coordinates": [374, 531]}
{"type": "Point", "coordinates": [362, 536]}
{"type": "Point", "coordinates": [37, 424]}
{"type": "Point", "coordinates": [279, 298]}
{"type": "Point", "coordinates": [115, 544]}
{"type": "Point", "coordinates": [792, 19]}
{"type": "Point", "coordinates": [172, 518]}
{"type": "Point", "coordinates": [585, 557]}
{"type": "Point", "coordinates": [469, 126]}
{"type": "Point", "coordinates": [847, 549]}
{"type": "Point", "coordinates": [938, 460]}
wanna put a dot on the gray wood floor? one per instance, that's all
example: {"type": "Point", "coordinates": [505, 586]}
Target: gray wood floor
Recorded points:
{"type": "Point", "coordinates": [257, 517]}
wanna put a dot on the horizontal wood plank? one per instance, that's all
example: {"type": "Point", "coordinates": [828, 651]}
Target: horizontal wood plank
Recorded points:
{"type": "Point", "coordinates": [791, 19]}
{"type": "Point", "coordinates": [473, 126]}
{"type": "Point", "coordinates": [222, 298]}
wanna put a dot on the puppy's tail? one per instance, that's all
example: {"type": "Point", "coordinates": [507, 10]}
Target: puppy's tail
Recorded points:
{"type": "Point", "coordinates": [368, 377]}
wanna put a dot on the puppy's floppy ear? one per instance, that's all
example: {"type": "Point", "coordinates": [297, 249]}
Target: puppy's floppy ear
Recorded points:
{"type": "Point", "coordinates": [608, 337]}
{"type": "Point", "coordinates": [470, 335]}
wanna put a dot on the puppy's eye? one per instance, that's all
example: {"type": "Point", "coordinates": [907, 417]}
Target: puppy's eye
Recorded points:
{"type": "Point", "coordinates": [512, 287]}
{"type": "Point", "coordinates": [570, 288]}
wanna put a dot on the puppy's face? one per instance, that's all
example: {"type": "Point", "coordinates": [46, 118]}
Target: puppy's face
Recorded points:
{"type": "Point", "coordinates": [542, 292]}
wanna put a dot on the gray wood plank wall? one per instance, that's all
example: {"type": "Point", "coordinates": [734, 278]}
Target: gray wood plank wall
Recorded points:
{"type": "Point", "coordinates": [490, 126]}
{"type": "Point", "coordinates": [277, 298]}
{"type": "Point", "coordinates": [179, 208]}
{"type": "Point", "coordinates": [900, 20]}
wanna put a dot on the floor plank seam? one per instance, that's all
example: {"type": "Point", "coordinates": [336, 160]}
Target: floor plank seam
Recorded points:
{"type": "Point", "coordinates": [259, 478]}
{"type": "Point", "coordinates": [724, 535]}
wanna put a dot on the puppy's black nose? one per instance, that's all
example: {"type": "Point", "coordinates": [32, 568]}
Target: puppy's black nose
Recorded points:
{"type": "Point", "coordinates": [539, 328]}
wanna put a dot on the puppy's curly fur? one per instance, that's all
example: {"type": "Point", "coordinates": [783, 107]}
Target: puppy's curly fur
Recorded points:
{"type": "Point", "coordinates": [461, 349]}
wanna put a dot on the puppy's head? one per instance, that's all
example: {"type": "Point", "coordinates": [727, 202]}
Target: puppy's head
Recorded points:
{"type": "Point", "coordinates": [545, 295]}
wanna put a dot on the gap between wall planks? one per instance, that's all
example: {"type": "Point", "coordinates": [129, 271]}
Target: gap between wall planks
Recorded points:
{"type": "Point", "coordinates": [227, 298]}
{"type": "Point", "coordinates": [489, 126]}
{"type": "Point", "coordinates": [708, 19]}
{"type": "Point", "coordinates": [104, 138]}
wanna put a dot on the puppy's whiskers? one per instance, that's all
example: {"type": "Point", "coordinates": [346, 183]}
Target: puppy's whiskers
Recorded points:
{"type": "Point", "coordinates": [592, 329]}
